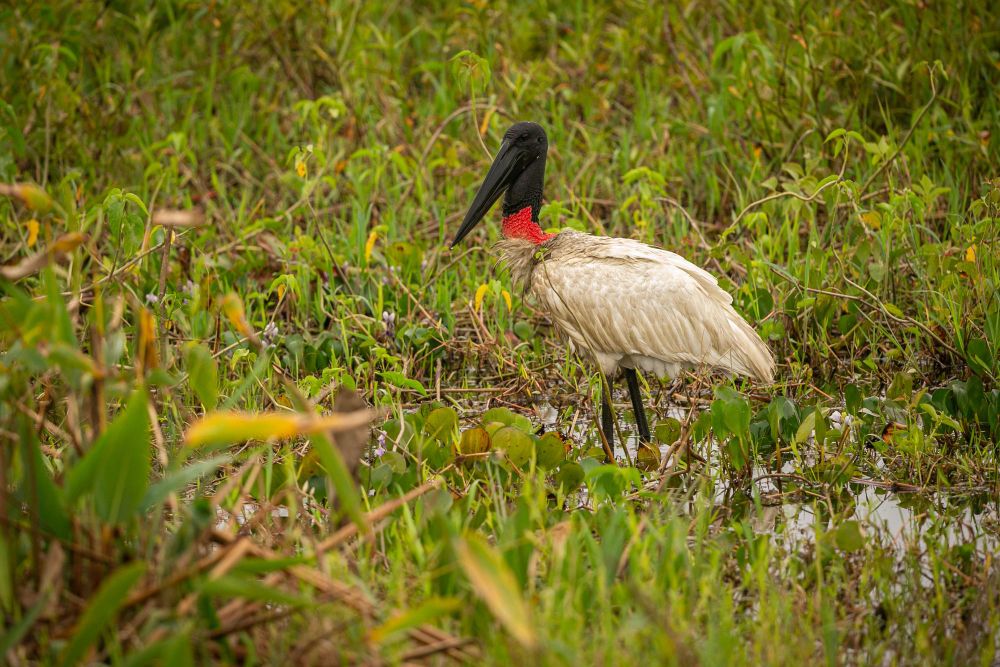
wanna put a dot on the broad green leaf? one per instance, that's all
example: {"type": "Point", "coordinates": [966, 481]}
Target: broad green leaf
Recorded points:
{"type": "Point", "coordinates": [494, 582]}
{"type": "Point", "coordinates": [805, 430]}
{"type": "Point", "coordinates": [647, 456]}
{"type": "Point", "coordinates": [849, 537]}
{"type": "Point", "coordinates": [834, 134]}
{"type": "Point", "coordinates": [408, 619]}
{"type": "Point", "coordinates": [570, 476]}
{"type": "Point", "coordinates": [503, 415]}
{"type": "Point", "coordinates": [101, 610]}
{"type": "Point", "coordinates": [441, 424]}
{"type": "Point", "coordinates": [550, 450]}
{"type": "Point", "coordinates": [737, 417]}
{"type": "Point", "coordinates": [668, 431]}
{"type": "Point", "coordinates": [515, 443]}
{"type": "Point", "coordinates": [48, 497]}
{"type": "Point", "coordinates": [901, 387]}
{"type": "Point", "coordinates": [123, 476]}
{"type": "Point", "coordinates": [977, 353]}
{"type": "Point", "coordinates": [250, 588]}
{"type": "Point", "coordinates": [116, 469]}
{"type": "Point", "coordinates": [397, 379]}
{"type": "Point", "coordinates": [852, 398]}
{"type": "Point", "coordinates": [730, 413]}
{"type": "Point", "coordinates": [523, 330]}
{"type": "Point", "coordinates": [779, 411]}
{"type": "Point", "coordinates": [203, 375]}
{"type": "Point", "coordinates": [175, 651]}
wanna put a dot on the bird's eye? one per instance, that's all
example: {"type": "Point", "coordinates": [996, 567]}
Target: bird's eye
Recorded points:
{"type": "Point", "coordinates": [539, 140]}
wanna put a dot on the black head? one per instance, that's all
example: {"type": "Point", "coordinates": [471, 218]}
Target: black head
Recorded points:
{"type": "Point", "coordinates": [517, 170]}
{"type": "Point", "coordinates": [527, 136]}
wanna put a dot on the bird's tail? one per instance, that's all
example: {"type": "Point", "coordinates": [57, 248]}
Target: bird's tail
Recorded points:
{"type": "Point", "coordinates": [748, 355]}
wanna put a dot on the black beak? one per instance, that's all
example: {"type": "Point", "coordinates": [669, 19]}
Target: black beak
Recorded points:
{"type": "Point", "coordinates": [506, 167]}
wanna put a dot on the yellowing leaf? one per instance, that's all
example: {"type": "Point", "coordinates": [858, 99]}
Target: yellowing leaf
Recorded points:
{"type": "Point", "coordinates": [506, 298]}
{"type": "Point", "coordinates": [300, 169]}
{"type": "Point", "coordinates": [61, 246]}
{"type": "Point", "coordinates": [370, 245]}
{"type": "Point", "coordinates": [32, 232]}
{"type": "Point", "coordinates": [224, 428]}
{"type": "Point", "coordinates": [970, 254]}
{"type": "Point", "coordinates": [486, 122]}
{"type": "Point", "coordinates": [493, 581]}
{"type": "Point", "coordinates": [281, 291]}
{"type": "Point", "coordinates": [33, 196]}
{"type": "Point", "coordinates": [232, 307]}
{"type": "Point", "coordinates": [426, 612]}
{"type": "Point", "coordinates": [147, 356]}
{"type": "Point", "coordinates": [66, 243]}
{"type": "Point", "coordinates": [872, 219]}
{"type": "Point", "coordinates": [480, 294]}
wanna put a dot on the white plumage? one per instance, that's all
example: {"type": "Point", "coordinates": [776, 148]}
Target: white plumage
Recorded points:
{"type": "Point", "coordinates": [630, 305]}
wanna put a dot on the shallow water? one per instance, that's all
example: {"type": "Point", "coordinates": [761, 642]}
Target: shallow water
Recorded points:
{"type": "Point", "coordinates": [900, 519]}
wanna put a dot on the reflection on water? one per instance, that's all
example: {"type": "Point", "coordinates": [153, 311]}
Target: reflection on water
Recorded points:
{"type": "Point", "coordinates": [900, 520]}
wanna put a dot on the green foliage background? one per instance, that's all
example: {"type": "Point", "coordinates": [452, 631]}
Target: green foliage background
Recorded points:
{"type": "Point", "coordinates": [835, 164]}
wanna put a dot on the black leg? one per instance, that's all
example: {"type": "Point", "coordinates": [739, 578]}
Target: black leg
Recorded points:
{"type": "Point", "coordinates": [608, 419]}
{"type": "Point", "coordinates": [640, 412]}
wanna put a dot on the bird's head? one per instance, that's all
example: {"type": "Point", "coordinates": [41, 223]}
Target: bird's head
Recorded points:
{"type": "Point", "coordinates": [518, 170]}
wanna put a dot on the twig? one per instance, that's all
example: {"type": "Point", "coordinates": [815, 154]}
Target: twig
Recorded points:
{"type": "Point", "coordinates": [899, 149]}
{"type": "Point", "coordinates": [138, 258]}
{"type": "Point", "coordinates": [437, 133]}
{"type": "Point", "coordinates": [779, 195]}
{"type": "Point", "coordinates": [695, 225]}
{"type": "Point", "coordinates": [416, 302]}
{"type": "Point", "coordinates": [878, 305]}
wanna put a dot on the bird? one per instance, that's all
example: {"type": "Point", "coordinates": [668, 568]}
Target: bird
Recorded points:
{"type": "Point", "coordinates": [626, 305]}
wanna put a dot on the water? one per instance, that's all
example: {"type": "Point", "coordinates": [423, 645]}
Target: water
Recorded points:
{"type": "Point", "coordinates": [899, 521]}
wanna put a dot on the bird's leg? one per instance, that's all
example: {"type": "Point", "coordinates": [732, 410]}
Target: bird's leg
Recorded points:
{"type": "Point", "coordinates": [608, 418]}
{"type": "Point", "coordinates": [640, 412]}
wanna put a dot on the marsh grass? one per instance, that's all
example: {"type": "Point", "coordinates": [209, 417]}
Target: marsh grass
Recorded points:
{"type": "Point", "coordinates": [218, 217]}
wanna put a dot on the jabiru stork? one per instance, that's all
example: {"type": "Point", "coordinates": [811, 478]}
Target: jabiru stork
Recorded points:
{"type": "Point", "coordinates": [625, 304]}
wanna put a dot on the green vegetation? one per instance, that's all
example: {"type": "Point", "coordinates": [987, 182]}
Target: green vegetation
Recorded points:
{"type": "Point", "coordinates": [218, 216]}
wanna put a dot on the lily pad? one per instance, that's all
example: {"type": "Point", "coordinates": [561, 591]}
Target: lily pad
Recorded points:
{"type": "Point", "coordinates": [517, 444]}
{"type": "Point", "coordinates": [502, 415]}
{"type": "Point", "coordinates": [647, 457]}
{"type": "Point", "coordinates": [570, 476]}
{"type": "Point", "coordinates": [848, 536]}
{"type": "Point", "coordinates": [493, 427]}
{"type": "Point", "coordinates": [550, 450]}
{"type": "Point", "coordinates": [668, 431]}
{"type": "Point", "coordinates": [441, 424]}
{"type": "Point", "coordinates": [474, 441]}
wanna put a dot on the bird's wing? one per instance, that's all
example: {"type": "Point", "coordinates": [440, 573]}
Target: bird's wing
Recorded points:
{"type": "Point", "coordinates": [622, 298]}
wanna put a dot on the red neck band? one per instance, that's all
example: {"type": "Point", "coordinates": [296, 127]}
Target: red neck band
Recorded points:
{"type": "Point", "coordinates": [520, 226]}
